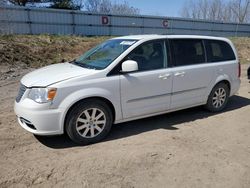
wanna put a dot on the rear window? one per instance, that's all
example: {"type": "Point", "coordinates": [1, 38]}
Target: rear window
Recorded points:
{"type": "Point", "coordinates": [188, 51]}
{"type": "Point", "coordinates": [219, 51]}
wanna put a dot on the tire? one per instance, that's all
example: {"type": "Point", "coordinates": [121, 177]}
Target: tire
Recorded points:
{"type": "Point", "coordinates": [218, 98]}
{"type": "Point", "coordinates": [89, 121]}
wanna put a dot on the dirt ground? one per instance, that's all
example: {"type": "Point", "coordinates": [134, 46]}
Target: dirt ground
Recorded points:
{"type": "Point", "coordinates": [189, 148]}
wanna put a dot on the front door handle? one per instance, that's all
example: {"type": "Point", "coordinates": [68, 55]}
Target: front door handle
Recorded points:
{"type": "Point", "coordinates": [180, 74]}
{"type": "Point", "coordinates": [164, 76]}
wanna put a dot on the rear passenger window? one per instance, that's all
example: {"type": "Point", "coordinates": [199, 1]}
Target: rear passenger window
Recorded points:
{"type": "Point", "coordinates": [188, 51]}
{"type": "Point", "coordinates": [219, 51]}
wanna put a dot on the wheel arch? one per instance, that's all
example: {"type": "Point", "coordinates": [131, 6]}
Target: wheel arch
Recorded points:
{"type": "Point", "coordinates": [103, 99]}
{"type": "Point", "coordinates": [210, 105]}
{"type": "Point", "coordinates": [105, 95]}
{"type": "Point", "coordinates": [221, 79]}
{"type": "Point", "coordinates": [225, 81]}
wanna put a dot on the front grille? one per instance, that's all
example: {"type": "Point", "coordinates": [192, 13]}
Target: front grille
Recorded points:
{"type": "Point", "coordinates": [21, 91]}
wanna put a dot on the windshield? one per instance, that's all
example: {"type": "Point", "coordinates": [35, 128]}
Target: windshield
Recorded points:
{"type": "Point", "coordinates": [104, 54]}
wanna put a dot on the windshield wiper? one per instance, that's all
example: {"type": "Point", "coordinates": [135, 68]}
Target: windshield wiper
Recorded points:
{"type": "Point", "coordinates": [82, 64]}
{"type": "Point", "coordinates": [77, 63]}
{"type": "Point", "coordinates": [73, 61]}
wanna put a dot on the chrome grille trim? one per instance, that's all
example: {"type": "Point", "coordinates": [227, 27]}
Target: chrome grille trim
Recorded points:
{"type": "Point", "coordinates": [21, 91]}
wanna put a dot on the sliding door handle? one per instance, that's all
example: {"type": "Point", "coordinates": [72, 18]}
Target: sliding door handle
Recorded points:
{"type": "Point", "coordinates": [164, 76]}
{"type": "Point", "coordinates": [180, 74]}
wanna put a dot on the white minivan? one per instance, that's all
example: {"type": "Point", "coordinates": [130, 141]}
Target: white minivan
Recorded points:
{"type": "Point", "coordinates": [127, 78]}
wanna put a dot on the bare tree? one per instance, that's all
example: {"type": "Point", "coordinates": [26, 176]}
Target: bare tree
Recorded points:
{"type": "Point", "coordinates": [221, 10]}
{"type": "Point", "coordinates": [66, 4]}
{"type": "Point", "coordinates": [92, 5]}
{"type": "Point", "coordinates": [106, 6]}
{"type": "Point", "coordinates": [226, 13]}
{"type": "Point", "coordinates": [240, 10]}
{"type": "Point", "coordinates": [196, 9]}
{"type": "Point", "coordinates": [60, 4]}
{"type": "Point", "coordinates": [124, 8]}
{"type": "Point", "coordinates": [28, 2]}
{"type": "Point", "coordinates": [3, 2]}
{"type": "Point", "coordinates": [215, 10]}
{"type": "Point", "coordinates": [204, 8]}
{"type": "Point", "coordinates": [24, 2]}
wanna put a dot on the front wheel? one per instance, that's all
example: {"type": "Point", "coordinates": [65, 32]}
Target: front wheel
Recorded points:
{"type": "Point", "coordinates": [218, 98]}
{"type": "Point", "coordinates": [89, 121]}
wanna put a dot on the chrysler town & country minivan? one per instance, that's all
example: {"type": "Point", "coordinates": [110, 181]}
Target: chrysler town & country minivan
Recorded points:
{"type": "Point", "coordinates": [124, 79]}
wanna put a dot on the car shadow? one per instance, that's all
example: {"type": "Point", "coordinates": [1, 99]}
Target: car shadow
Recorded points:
{"type": "Point", "coordinates": [166, 121]}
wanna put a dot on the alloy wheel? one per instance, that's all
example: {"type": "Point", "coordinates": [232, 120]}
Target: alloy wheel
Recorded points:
{"type": "Point", "coordinates": [90, 122]}
{"type": "Point", "coordinates": [219, 97]}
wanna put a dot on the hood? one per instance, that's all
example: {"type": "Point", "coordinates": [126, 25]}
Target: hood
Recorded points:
{"type": "Point", "coordinates": [54, 73]}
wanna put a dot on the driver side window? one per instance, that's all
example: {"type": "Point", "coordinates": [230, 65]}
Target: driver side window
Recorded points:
{"type": "Point", "coordinates": [149, 56]}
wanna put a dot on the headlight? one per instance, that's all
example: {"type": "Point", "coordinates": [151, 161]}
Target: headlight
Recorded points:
{"type": "Point", "coordinates": [42, 95]}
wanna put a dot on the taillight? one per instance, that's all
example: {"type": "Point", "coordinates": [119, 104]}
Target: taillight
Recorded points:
{"type": "Point", "coordinates": [239, 70]}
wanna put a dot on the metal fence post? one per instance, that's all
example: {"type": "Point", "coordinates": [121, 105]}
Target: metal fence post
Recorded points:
{"type": "Point", "coordinates": [236, 31]}
{"type": "Point", "coordinates": [110, 24]}
{"type": "Point", "coordinates": [29, 20]}
{"type": "Point", "coordinates": [73, 25]}
{"type": "Point", "coordinates": [172, 23]}
{"type": "Point", "coordinates": [143, 25]}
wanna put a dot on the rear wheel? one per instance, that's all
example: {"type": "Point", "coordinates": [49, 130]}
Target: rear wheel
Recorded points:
{"type": "Point", "coordinates": [218, 98]}
{"type": "Point", "coordinates": [89, 121]}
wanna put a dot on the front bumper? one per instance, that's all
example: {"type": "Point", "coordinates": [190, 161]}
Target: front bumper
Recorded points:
{"type": "Point", "coordinates": [39, 118]}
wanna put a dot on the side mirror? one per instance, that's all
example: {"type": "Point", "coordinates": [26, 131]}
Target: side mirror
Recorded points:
{"type": "Point", "coordinates": [129, 66]}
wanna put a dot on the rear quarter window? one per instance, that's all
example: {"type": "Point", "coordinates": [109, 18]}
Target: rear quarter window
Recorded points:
{"type": "Point", "coordinates": [218, 51]}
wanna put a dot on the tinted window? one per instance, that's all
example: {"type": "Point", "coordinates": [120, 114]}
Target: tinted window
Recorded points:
{"type": "Point", "coordinates": [149, 56]}
{"type": "Point", "coordinates": [188, 51]}
{"type": "Point", "coordinates": [219, 51]}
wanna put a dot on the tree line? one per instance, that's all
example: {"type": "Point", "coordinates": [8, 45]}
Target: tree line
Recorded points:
{"type": "Point", "coordinates": [97, 6]}
{"type": "Point", "coordinates": [218, 10]}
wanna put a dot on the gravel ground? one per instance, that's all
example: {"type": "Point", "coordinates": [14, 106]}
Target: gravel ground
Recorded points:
{"type": "Point", "coordinates": [189, 148]}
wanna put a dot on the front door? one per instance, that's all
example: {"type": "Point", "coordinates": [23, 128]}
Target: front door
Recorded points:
{"type": "Point", "coordinates": [148, 90]}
